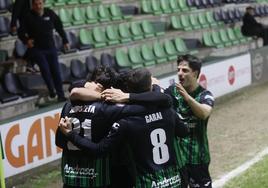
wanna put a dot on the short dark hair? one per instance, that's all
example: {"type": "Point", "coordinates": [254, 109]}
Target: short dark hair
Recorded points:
{"type": "Point", "coordinates": [194, 63]}
{"type": "Point", "coordinates": [106, 76]}
{"type": "Point", "coordinates": [249, 8]}
{"type": "Point", "coordinates": [138, 80]}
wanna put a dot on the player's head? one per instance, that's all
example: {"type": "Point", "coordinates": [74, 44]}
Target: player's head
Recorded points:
{"type": "Point", "coordinates": [250, 10]}
{"type": "Point", "coordinates": [189, 68]}
{"type": "Point", "coordinates": [105, 76]}
{"type": "Point", "coordinates": [137, 80]}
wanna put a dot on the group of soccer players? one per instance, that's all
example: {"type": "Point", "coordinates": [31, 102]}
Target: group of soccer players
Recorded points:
{"type": "Point", "coordinates": [152, 140]}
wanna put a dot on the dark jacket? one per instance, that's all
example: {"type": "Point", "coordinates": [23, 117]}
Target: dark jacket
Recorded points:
{"type": "Point", "coordinates": [40, 29]}
{"type": "Point", "coordinates": [250, 25]}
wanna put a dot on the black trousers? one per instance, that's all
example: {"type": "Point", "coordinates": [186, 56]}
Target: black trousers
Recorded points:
{"type": "Point", "coordinates": [196, 176]}
{"type": "Point", "coordinates": [47, 60]}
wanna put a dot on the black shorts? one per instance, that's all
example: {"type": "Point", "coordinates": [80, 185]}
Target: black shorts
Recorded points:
{"type": "Point", "coordinates": [197, 176]}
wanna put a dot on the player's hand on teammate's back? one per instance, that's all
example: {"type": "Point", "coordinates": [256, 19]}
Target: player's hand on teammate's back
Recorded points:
{"type": "Point", "coordinates": [115, 95]}
{"type": "Point", "coordinates": [65, 125]}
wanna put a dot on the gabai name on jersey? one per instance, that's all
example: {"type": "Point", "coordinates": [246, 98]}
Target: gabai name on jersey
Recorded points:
{"type": "Point", "coordinates": [153, 117]}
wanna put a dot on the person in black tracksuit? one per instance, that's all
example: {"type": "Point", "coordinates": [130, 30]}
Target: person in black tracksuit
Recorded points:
{"type": "Point", "coordinates": [37, 33]}
{"type": "Point", "coordinates": [153, 152]}
{"type": "Point", "coordinates": [96, 117]}
{"type": "Point", "coordinates": [251, 27]}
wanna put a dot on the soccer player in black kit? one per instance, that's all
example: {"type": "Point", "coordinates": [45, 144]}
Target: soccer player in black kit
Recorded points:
{"type": "Point", "coordinates": [149, 135]}
{"type": "Point", "coordinates": [93, 120]}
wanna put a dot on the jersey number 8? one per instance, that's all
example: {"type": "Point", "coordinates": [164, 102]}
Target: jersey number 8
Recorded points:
{"type": "Point", "coordinates": [160, 149]}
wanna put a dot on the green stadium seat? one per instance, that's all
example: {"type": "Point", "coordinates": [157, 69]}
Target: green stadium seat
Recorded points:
{"type": "Point", "coordinates": [85, 39]}
{"type": "Point", "coordinates": [193, 21]}
{"type": "Point", "coordinates": [116, 13]}
{"type": "Point", "coordinates": [240, 36]}
{"type": "Point", "coordinates": [59, 2]}
{"type": "Point", "coordinates": [224, 38]}
{"type": "Point", "coordinates": [215, 36]}
{"type": "Point", "coordinates": [175, 22]}
{"type": "Point", "coordinates": [147, 55]}
{"type": "Point", "coordinates": [49, 3]}
{"type": "Point", "coordinates": [170, 50]}
{"type": "Point", "coordinates": [185, 22]}
{"type": "Point", "coordinates": [146, 7]}
{"type": "Point", "coordinates": [72, 2]}
{"type": "Point", "coordinates": [174, 6]}
{"type": "Point", "coordinates": [159, 28]}
{"type": "Point", "coordinates": [147, 28]}
{"type": "Point", "coordinates": [65, 17]}
{"type": "Point", "coordinates": [182, 48]}
{"type": "Point", "coordinates": [232, 36]}
{"type": "Point", "coordinates": [99, 37]}
{"type": "Point", "coordinates": [156, 6]}
{"type": "Point", "coordinates": [103, 13]}
{"type": "Point", "coordinates": [183, 5]}
{"type": "Point", "coordinates": [136, 31]}
{"type": "Point", "coordinates": [207, 40]}
{"type": "Point", "coordinates": [91, 15]}
{"type": "Point", "coordinates": [159, 52]}
{"type": "Point", "coordinates": [78, 16]}
{"type": "Point", "coordinates": [164, 4]}
{"type": "Point", "coordinates": [202, 20]}
{"type": "Point", "coordinates": [85, 1]}
{"type": "Point", "coordinates": [124, 33]}
{"type": "Point", "coordinates": [180, 45]}
{"type": "Point", "coordinates": [112, 35]}
{"type": "Point", "coordinates": [210, 19]}
{"type": "Point", "coordinates": [135, 57]}
{"type": "Point", "coordinates": [122, 58]}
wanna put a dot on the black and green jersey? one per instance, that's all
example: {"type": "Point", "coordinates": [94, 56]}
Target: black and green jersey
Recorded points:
{"type": "Point", "coordinates": [93, 120]}
{"type": "Point", "coordinates": [169, 177]}
{"type": "Point", "coordinates": [194, 149]}
{"type": "Point", "coordinates": [80, 169]}
{"type": "Point", "coordinates": [150, 137]}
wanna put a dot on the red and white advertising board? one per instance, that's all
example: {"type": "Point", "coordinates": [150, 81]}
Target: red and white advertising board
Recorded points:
{"type": "Point", "coordinates": [226, 76]}
{"type": "Point", "coordinates": [30, 142]}
{"type": "Point", "coordinates": [221, 77]}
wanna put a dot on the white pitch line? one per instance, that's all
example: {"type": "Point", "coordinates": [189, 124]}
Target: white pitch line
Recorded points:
{"type": "Point", "coordinates": [225, 178]}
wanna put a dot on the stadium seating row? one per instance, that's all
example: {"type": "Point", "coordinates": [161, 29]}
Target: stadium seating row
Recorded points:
{"type": "Point", "coordinates": [224, 38]}
{"type": "Point", "coordinates": [12, 89]}
{"type": "Point", "coordinates": [50, 3]}
{"type": "Point", "coordinates": [91, 14]}
{"type": "Point", "coordinates": [163, 6]}
{"type": "Point", "coordinates": [150, 54]}
{"type": "Point", "coordinates": [193, 21]}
